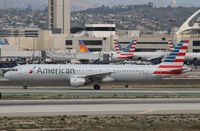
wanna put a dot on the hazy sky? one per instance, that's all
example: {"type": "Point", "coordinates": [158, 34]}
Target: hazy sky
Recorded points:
{"type": "Point", "coordinates": [80, 4]}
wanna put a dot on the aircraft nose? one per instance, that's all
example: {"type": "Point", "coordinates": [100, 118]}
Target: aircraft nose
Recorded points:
{"type": "Point", "coordinates": [7, 75]}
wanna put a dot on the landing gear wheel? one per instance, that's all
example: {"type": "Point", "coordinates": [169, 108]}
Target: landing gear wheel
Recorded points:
{"type": "Point", "coordinates": [25, 87]}
{"type": "Point", "coordinates": [126, 86]}
{"type": "Point", "coordinates": [97, 87]}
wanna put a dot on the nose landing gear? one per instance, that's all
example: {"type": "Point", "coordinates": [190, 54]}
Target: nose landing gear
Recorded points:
{"type": "Point", "coordinates": [126, 86]}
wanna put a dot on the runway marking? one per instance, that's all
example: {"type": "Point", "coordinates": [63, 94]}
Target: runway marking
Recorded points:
{"type": "Point", "coordinates": [146, 112]}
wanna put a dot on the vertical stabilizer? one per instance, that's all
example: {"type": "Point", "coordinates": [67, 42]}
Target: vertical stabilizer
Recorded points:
{"type": "Point", "coordinates": [174, 62]}
{"type": "Point", "coordinates": [82, 47]}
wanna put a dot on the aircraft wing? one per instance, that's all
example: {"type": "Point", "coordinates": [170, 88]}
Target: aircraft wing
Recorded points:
{"type": "Point", "coordinates": [152, 58]}
{"type": "Point", "coordinates": [95, 77]}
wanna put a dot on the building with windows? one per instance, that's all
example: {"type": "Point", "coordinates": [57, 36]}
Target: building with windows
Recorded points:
{"type": "Point", "coordinates": [100, 30]}
{"type": "Point", "coordinates": [191, 30]}
{"type": "Point", "coordinates": [98, 37]}
{"type": "Point", "coordinates": [59, 16]}
{"type": "Point", "coordinates": [191, 25]}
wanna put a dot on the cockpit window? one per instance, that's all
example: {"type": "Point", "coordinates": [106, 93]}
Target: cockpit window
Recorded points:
{"type": "Point", "coordinates": [14, 69]}
{"type": "Point", "coordinates": [11, 70]}
{"type": "Point", "coordinates": [7, 70]}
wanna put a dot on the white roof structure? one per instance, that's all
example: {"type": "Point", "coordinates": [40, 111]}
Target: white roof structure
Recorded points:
{"type": "Point", "coordinates": [190, 24]}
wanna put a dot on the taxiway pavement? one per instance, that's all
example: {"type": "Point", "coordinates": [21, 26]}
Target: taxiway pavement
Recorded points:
{"type": "Point", "coordinates": [16, 108]}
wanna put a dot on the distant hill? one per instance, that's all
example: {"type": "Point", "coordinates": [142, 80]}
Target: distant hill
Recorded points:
{"type": "Point", "coordinates": [84, 4]}
{"type": "Point", "coordinates": [142, 17]}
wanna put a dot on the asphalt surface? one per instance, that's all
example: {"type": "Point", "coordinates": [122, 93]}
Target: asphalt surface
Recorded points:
{"type": "Point", "coordinates": [98, 107]}
{"type": "Point", "coordinates": [67, 89]}
{"type": "Point", "coordinates": [12, 108]}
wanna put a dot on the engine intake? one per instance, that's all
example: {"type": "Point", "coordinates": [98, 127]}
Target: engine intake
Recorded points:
{"type": "Point", "coordinates": [77, 82]}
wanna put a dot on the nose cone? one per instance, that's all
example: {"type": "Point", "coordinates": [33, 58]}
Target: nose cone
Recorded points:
{"type": "Point", "coordinates": [8, 75]}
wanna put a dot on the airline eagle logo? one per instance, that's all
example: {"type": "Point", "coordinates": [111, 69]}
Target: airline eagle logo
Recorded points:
{"type": "Point", "coordinates": [32, 70]}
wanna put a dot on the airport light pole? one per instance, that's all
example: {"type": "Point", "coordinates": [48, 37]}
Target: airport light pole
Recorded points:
{"type": "Point", "coordinates": [33, 48]}
{"type": "Point", "coordinates": [171, 23]}
{"type": "Point", "coordinates": [19, 45]}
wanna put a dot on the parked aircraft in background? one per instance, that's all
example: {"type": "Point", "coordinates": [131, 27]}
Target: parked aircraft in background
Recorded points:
{"type": "Point", "coordinates": [80, 75]}
{"type": "Point", "coordinates": [190, 56]}
{"type": "Point", "coordinates": [63, 56]}
{"type": "Point", "coordinates": [124, 53]}
{"type": "Point", "coordinates": [129, 48]}
{"type": "Point", "coordinates": [119, 55]}
{"type": "Point", "coordinates": [148, 56]}
{"type": "Point", "coordinates": [162, 54]}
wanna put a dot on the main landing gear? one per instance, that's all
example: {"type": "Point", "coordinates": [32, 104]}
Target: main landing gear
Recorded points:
{"type": "Point", "coordinates": [25, 87]}
{"type": "Point", "coordinates": [126, 86]}
{"type": "Point", "coordinates": [97, 87]}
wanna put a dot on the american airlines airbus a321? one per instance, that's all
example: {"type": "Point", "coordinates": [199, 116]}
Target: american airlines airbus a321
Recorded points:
{"type": "Point", "coordinates": [80, 75]}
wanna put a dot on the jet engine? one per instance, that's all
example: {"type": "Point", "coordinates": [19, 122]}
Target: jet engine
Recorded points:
{"type": "Point", "coordinates": [77, 82]}
{"type": "Point", "coordinates": [107, 79]}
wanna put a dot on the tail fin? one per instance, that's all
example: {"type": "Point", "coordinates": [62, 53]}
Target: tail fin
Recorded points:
{"type": "Point", "coordinates": [82, 47]}
{"type": "Point", "coordinates": [118, 47]}
{"type": "Point", "coordinates": [129, 48]}
{"type": "Point", "coordinates": [171, 45]}
{"type": "Point", "coordinates": [174, 62]}
{"type": "Point", "coordinates": [132, 45]}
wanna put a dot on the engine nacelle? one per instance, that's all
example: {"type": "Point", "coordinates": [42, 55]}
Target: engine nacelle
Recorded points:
{"type": "Point", "coordinates": [77, 82]}
{"type": "Point", "coordinates": [107, 79]}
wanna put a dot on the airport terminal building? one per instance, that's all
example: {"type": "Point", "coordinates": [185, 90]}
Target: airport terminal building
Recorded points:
{"type": "Point", "coordinates": [98, 37]}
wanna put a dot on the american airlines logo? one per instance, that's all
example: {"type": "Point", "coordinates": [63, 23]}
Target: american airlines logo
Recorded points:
{"type": "Point", "coordinates": [55, 71]}
{"type": "Point", "coordinates": [31, 71]}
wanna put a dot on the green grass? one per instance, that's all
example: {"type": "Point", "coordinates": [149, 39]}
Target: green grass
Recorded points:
{"type": "Point", "coordinates": [84, 95]}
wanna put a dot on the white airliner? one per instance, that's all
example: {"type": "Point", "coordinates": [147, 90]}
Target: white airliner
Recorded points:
{"type": "Point", "coordinates": [143, 55]}
{"type": "Point", "coordinates": [189, 56]}
{"type": "Point", "coordinates": [80, 75]}
{"type": "Point", "coordinates": [154, 55]}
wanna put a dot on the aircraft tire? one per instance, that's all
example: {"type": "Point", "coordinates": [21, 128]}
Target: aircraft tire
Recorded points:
{"type": "Point", "coordinates": [126, 86]}
{"type": "Point", "coordinates": [97, 87]}
{"type": "Point", "coordinates": [25, 87]}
